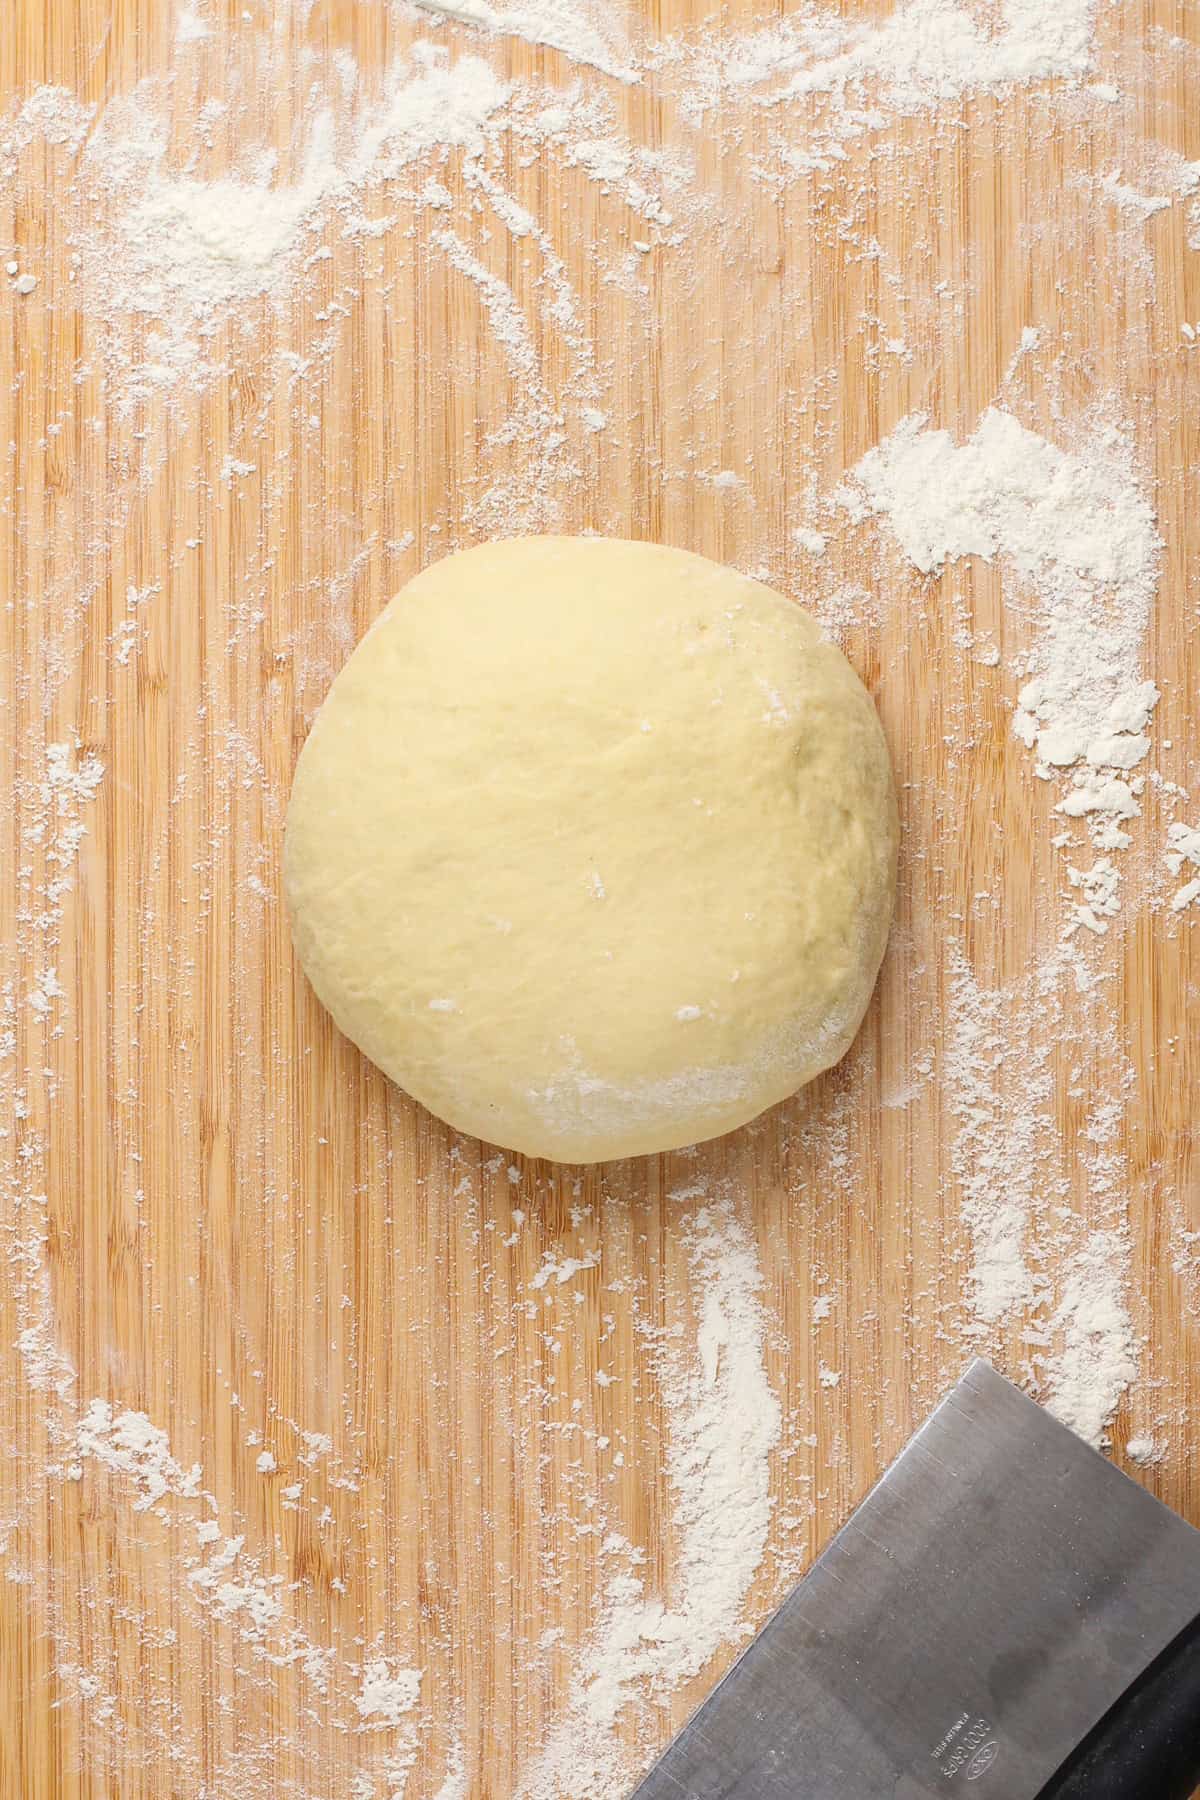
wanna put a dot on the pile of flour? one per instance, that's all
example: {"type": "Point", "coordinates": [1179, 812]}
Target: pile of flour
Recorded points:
{"type": "Point", "coordinates": [1077, 542]}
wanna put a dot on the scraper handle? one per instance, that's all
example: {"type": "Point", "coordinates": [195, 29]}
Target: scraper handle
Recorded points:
{"type": "Point", "coordinates": [1147, 1747]}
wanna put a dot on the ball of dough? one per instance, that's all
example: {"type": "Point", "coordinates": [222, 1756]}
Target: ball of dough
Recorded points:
{"type": "Point", "coordinates": [592, 846]}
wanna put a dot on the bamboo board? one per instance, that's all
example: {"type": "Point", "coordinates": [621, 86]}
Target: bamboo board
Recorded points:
{"type": "Point", "coordinates": [248, 1235]}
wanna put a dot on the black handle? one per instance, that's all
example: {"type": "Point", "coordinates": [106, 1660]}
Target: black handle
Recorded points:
{"type": "Point", "coordinates": [1147, 1747]}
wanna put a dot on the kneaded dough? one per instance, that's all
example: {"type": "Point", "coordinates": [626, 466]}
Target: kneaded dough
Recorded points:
{"type": "Point", "coordinates": [592, 846]}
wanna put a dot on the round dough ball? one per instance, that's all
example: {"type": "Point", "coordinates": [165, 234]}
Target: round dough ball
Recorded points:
{"type": "Point", "coordinates": [592, 846]}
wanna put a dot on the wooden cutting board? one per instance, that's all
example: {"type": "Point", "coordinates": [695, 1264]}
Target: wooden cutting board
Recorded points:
{"type": "Point", "coordinates": [216, 1214]}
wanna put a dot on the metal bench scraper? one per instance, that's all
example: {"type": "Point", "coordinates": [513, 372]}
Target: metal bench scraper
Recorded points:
{"type": "Point", "coordinates": [1006, 1616]}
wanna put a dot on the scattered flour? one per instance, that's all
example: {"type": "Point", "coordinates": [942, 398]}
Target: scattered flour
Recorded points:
{"type": "Point", "coordinates": [50, 115]}
{"type": "Point", "coordinates": [1033, 1260]}
{"type": "Point", "coordinates": [841, 78]}
{"type": "Point", "coordinates": [387, 1699]}
{"type": "Point", "coordinates": [1129, 200]}
{"type": "Point", "coordinates": [995, 1151]}
{"type": "Point", "coordinates": [88, 1689]}
{"type": "Point", "coordinates": [387, 1695]}
{"type": "Point", "coordinates": [508, 323]}
{"type": "Point", "coordinates": [560, 1269]}
{"type": "Point", "coordinates": [190, 26]}
{"type": "Point", "coordinates": [584, 33]}
{"type": "Point", "coordinates": [1099, 1355]}
{"type": "Point", "coordinates": [234, 467]}
{"type": "Point", "coordinates": [202, 244]}
{"type": "Point", "coordinates": [129, 1444]}
{"type": "Point", "coordinates": [225, 1582]}
{"type": "Point", "coordinates": [1028, 342]}
{"type": "Point", "coordinates": [1175, 178]}
{"type": "Point", "coordinates": [1079, 537]}
{"type": "Point", "coordinates": [724, 1421]}
{"type": "Point", "coordinates": [47, 1367]}
{"type": "Point", "coordinates": [183, 254]}
{"type": "Point", "coordinates": [1182, 853]}
{"type": "Point", "coordinates": [316, 1445]}
{"type": "Point", "coordinates": [184, 251]}
{"type": "Point", "coordinates": [457, 1782]}
{"type": "Point", "coordinates": [70, 783]}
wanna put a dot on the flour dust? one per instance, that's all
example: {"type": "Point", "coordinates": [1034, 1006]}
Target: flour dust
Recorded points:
{"type": "Point", "coordinates": [724, 1423]}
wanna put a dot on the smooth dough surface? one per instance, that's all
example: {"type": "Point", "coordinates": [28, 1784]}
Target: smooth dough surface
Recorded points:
{"type": "Point", "coordinates": [592, 846]}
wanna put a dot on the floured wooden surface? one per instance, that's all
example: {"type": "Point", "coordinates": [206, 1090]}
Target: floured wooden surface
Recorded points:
{"type": "Point", "coordinates": [345, 1458]}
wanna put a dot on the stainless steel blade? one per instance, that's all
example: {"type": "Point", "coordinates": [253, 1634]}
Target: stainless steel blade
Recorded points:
{"type": "Point", "coordinates": [992, 1597]}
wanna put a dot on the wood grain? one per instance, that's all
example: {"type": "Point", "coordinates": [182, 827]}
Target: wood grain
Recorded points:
{"type": "Point", "coordinates": [248, 1234]}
